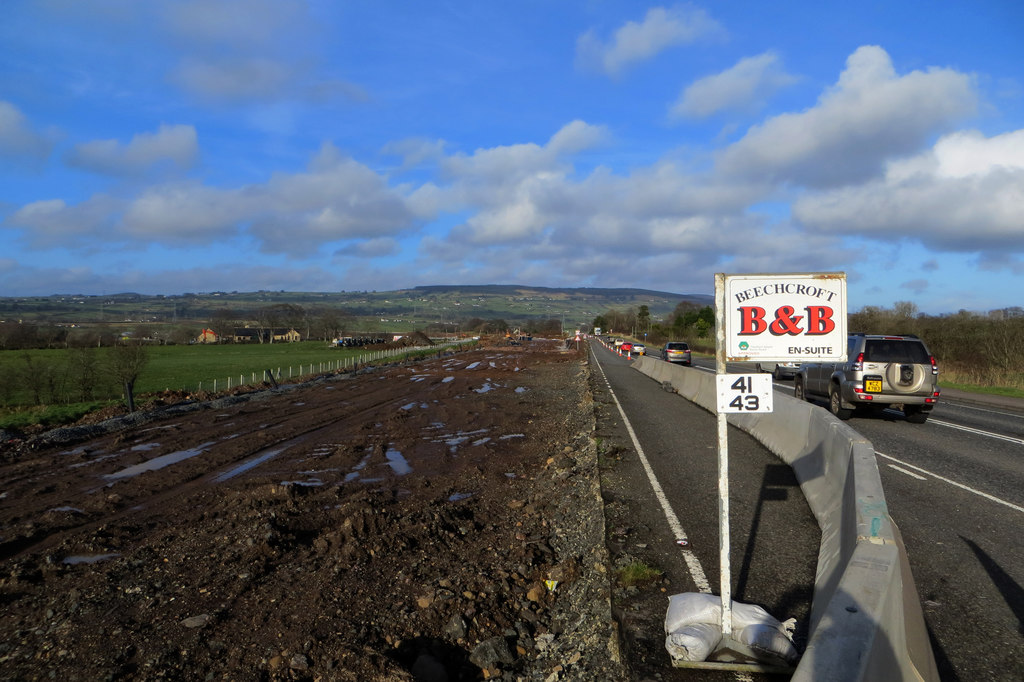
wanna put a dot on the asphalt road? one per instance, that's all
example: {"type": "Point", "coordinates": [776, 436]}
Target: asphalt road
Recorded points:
{"type": "Point", "coordinates": [955, 487]}
{"type": "Point", "coordinates": [774, 537]}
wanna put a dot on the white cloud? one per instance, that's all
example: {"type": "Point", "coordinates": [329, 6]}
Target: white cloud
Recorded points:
{"type": "Point", "coordinates": [966, 194]}
{"type": "Point", "coordinates": [53, 223]}
{"type": "Point", "coordinates": [747, 85]}
{"type": "Point", "coordinates": [215, 23]}
{"type": "Point", "coordinates": [174, 144]}
{"type": "Point", "coordinates": [416, 151]}
{"type": "Point", "coordinates": [370, 248]}
{"type": "Point", "coordinates": [633, 42]}
{"type": "Point", "coordinates": [235, 78]}
{"type": "Point", "coordinates": [252, 51]}
{"type": "Point", "coordinates": [17, 138]}
{"type": "Point", "coordinates": [871, 115]}
{"type": "Point", "coordinates": [336, 199]}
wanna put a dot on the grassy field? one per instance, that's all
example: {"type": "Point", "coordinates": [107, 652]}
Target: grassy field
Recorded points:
{"type": "Point", "coordinates": [55, 375]}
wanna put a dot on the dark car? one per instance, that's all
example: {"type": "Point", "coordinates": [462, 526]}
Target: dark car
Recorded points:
{"type": "Point", "coordinates": [677, 351]}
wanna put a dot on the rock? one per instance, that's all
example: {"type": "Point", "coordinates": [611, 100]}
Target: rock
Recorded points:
{"type": "Point", "coordinates": [489, 653]}
{"type": "Point", "coordinates": [197, 621]}
{"type": "Point", "coordinates": [456, 627]}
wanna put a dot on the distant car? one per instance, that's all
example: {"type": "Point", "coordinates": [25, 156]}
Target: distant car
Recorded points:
{"type": "Point", "coordinates": [626, 347]}
{"type": "Point", "coordinates": [639, 349]}
{"type": "Point", "coordinates": [779, 370]}
{"type": "Point", "coordinates": [617, 342]}
{"type": "Point", "coordinates": [677, 351]}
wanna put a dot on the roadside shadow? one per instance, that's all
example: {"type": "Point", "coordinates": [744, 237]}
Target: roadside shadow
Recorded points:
{"type": "Point", "coordinates": [776, 483]}
{"type": "Point", "coordinates": [1011, 590]}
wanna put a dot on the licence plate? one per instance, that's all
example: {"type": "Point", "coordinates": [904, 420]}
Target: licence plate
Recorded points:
{"type": "Point", "coordinates": [872, 385]}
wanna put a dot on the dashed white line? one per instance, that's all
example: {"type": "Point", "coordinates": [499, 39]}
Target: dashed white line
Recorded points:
{"type": "Point", "coordinates": [950, 481]}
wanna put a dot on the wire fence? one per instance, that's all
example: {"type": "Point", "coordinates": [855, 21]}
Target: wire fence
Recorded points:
{"type": "Point", "coordinates": [349, 364]}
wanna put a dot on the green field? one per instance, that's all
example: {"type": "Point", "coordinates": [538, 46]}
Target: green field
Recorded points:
{"type": "Point", "coordinates": [54, 378]}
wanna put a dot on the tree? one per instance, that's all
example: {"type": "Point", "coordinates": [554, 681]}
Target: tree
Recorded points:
{"type": "Point", "coordinates": [222, 322]}
{"type": "Point", "coordinates": [127, 360]}
{"type": "Point", "coordinates": [643, 319]}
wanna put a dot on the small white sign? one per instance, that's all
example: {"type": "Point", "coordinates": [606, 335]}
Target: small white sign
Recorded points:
{"type": "Point", "coordinates": [740, 393]}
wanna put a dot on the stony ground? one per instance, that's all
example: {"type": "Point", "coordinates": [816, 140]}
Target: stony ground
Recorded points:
{"type": "Point", "coordinates": [440, 520]}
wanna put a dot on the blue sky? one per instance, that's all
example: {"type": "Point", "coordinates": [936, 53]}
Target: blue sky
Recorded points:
{"type": "Point", "coordinates": [212, 145]}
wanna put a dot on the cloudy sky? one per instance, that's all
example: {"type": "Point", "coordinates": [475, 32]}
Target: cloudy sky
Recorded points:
{"type": "Point", "coordinates": [204, 145]}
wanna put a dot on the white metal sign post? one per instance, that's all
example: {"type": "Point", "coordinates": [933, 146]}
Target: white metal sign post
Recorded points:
{"type": "Point", "coordinates": [766, 317]}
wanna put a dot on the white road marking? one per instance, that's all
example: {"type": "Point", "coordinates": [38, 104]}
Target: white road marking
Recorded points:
{"type": "Point", "coordinates": [908, 472]}
{"type": "Point", "coordinates": [963, 406]}
{"type": "Point", "coordinates": [700, 579]}
{"type": "Point", "coordinates": [950, 481]}
{"type": "Point", "coordinates": [968, 429]}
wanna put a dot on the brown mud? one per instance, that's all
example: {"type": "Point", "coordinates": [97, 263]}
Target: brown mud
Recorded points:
{"type": "Point", "coordinates": [436, 520]}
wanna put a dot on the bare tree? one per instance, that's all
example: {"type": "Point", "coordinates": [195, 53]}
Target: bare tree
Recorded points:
{"type": "Point", "coordinates": [126, 363]}
{"type": "Point", "coordinates": [222, 322]}
{"type": "Point", "coordinates": [84, 370]}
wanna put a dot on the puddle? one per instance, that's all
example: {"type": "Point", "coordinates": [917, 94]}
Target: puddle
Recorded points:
{"type": "Point", "coordinates": [447, 379]}
{"type": "Point", "coordinates": [88, 558]}
{"type": "Point", "coordinates": [91, 461]}
{"type": "Point", "coordinates": [473, 366]}
{"type": "Point", "coordinates": [73, 510]}
{"type": "Point", "coordinates": [158, 462]}
{"type": "Point", "coordinates": [144, 447]}
{"type": "Point", "coordinates": [520, 389]}
{"type": "Point", "coordinates": [248, 464]}
{"type": "Point", "coordinates": [397, 462]}
{"type": "Point", "coordinates": [481, 441]}
{"type": "Point", "coordinates": [311, 483]}
{"type": "Point", "coordinates": [458, 497]}
{"type": "Point", "coordinates": [354, 474]}
{"type": "Point", "coordinates": [484, 389]}
{"type": "Point", "coordinates": [512, 435]}
{"type": "Point", "coordinates": [408, 406]}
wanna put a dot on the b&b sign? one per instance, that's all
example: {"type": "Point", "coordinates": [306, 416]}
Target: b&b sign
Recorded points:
{"type": "Point", "coordinates": [785, 318]}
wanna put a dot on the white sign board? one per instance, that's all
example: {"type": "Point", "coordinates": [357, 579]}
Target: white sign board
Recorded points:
{"type": "Point", "coordinates": [742, 393]}
{"type": "Point", "coordinates": [785, 318]}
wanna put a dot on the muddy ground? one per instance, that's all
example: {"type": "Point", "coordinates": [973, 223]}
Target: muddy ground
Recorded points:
{"type": "Point", "coordinates": [438, 520]}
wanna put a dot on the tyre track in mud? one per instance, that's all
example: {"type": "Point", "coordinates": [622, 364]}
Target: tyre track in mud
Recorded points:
{"type": "Point", "coordinates": [296, 419]}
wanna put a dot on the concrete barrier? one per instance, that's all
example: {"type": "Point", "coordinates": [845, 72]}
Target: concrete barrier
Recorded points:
{"type": "Point", "coordinates": [866, 617]}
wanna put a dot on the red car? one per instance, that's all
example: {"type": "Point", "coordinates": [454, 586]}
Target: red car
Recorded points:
{"type": "Point", "coordinates": [626, 347]}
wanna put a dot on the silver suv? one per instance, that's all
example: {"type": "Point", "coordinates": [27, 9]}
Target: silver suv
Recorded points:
{"type": "Point", "coordinates": [880, 371]}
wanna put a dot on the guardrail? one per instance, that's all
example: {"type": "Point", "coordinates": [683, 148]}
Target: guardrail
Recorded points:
{"type": "Point", "coordinates": [866, 617]}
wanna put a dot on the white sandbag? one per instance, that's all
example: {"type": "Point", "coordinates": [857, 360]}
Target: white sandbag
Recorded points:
{"type": "Point", "coordinates": [693, 642]}
{"type": "Point", "coordinates": [767, 639]}
{"type": "Point", "coordinates": [692, 607]}
{"type": "Point", "coordinates": [751, 626]}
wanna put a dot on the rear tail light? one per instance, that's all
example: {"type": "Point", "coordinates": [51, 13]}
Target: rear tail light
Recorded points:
{"type": "Point", "coordinates": [858, 364]}
{"type": "Point", "coordinates": [935, 365]}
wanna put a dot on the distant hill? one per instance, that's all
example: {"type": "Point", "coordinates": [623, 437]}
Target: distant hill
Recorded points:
{"type": "Point", "coordinates": [582, 292]}
{"type": "Point", "coordinates": [390, 310]}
